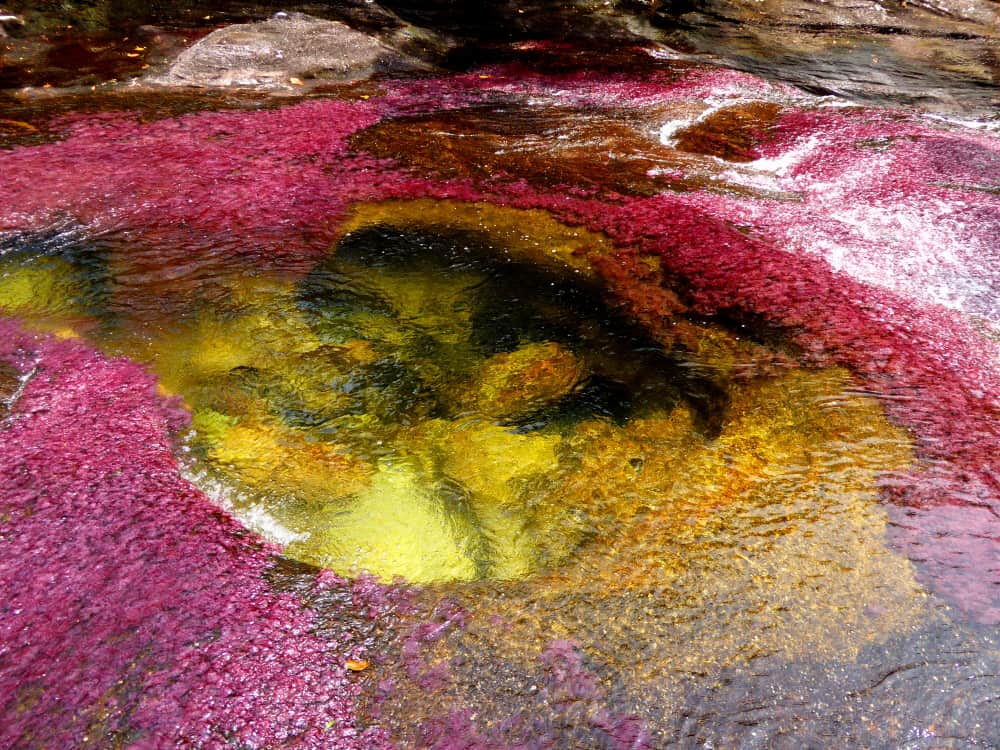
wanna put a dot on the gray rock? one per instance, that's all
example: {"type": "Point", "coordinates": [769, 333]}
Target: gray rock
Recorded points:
{"type": "Point", "coordinates": [280, 53]}
{"type": "Point", "coordinates": [940, 55]}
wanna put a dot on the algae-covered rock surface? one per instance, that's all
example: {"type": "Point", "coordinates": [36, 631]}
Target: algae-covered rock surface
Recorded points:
{"type": "Point", "coordinates": [402, 414]}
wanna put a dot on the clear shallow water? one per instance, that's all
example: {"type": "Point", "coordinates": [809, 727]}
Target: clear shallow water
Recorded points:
{"type": "Point", "coordinates": [421, 406]}
{"type": "Point", "coordinates": [640, 536]}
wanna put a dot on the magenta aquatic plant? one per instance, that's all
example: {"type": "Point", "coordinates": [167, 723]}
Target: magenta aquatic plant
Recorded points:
{"type": "Point", "coordinates": [135, 613]}
{"type": "Point", "coordinates": [134, 609]}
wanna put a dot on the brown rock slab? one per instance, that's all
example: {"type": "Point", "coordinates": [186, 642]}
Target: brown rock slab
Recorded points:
{"type": "Point", "coordinates": [731, 133]}
{"type": "Point", "coordinates": [587, 148]}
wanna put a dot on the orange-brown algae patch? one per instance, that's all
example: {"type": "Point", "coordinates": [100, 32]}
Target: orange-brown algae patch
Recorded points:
{"type": "Point", "coordinates": [513, 384]}
{"type": "Point", "coordinates": [775, 524]}
{"type": "Point", "coordinates": [731, 133]}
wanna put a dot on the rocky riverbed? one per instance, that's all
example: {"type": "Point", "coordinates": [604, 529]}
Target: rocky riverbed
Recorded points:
{"type": "Point", "coordinates": [765, 511]}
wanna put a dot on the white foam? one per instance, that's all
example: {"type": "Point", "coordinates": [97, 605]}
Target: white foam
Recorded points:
{"type": "Point", "coordinates": [783, 163]}
{"type": "Point", "coordinates": [252, 514]}
{"type": "Point", "coordinates": [671, 127]}
{"type": "Point", "coordinates": [991, 126]}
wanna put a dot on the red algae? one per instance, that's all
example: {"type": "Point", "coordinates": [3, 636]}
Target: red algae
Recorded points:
{"type": "Point", "coordinates": [134, 609]}
{"type": "Point", "coordinates": [135, 612]}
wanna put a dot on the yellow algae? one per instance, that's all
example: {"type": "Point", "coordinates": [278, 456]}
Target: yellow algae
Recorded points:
{"type": "Point", "coordinates": [211, 425]}
{"type": "Point", "coordinates": [484, 456]}
{"type": "Point", "coordinates": [275, 459]}
{"type": "Point", "coordinates": [497, 467]}
{"type": "Point", "coordinates": [396, 527]}
{"type": "Point", "coordinates": [33, 287]}
{"type": "Point", "coordinates": [45, 294]}
{"type": "Point", "coordinates": [65, 332]}
{"type": "Point", "coordinates": [524, 234]}
{"type": "Point", "coordinates": [513, 384]}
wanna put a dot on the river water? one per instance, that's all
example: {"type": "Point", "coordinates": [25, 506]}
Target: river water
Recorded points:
{"type": "Point", "coordinates": [575, 400]}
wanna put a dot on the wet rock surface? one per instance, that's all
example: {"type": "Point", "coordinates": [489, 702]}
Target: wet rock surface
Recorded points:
{"type": "Point", "coordinates": [823, 278]}
{"type": "Point", "coordinates": [9, 382]}
{"type": "Point", "coordinates": [939, 55]}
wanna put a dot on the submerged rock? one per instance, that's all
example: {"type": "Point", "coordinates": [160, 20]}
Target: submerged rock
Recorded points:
{"type": "Point", "coordinates": [515, 384]}
{"type": "Point", "coordinates": [281, 53]}
{"type": "Point", "coordinates": [47, 294]}
{"type": "Point", "coordinates": [500, 470]}
{"type": "Point", "coordinates": [275, 459]}
{"type": "Point", "coordinates": [397, 527]}
{"type": "Point", "coordinates": [730, 133]}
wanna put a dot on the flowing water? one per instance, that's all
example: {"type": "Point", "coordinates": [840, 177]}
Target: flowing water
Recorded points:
{"type": "Point", "coordinates": [555, 410]}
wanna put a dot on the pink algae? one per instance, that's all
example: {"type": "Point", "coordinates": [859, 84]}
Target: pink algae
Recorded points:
{"type": "Point", "coordinates": [132, 606]}
{"type": "Point", "coordinates": [134, 612]}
